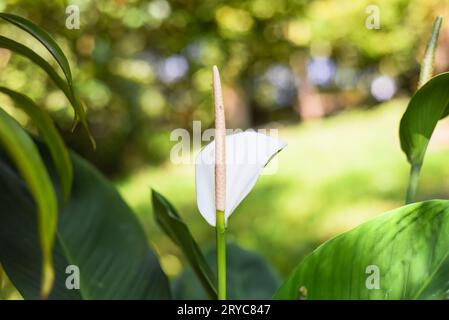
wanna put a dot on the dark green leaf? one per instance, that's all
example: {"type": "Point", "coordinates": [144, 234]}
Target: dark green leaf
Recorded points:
{"type": "Point", "coordinates": [172, 224]}
{"type": "Point", "coordinates": [25, 155]}
{"type": "Point", "coordinates": [37, 59]}
{"type": "Point", "coordinates": [408, 248]}
{"type": "Point", "coordinates": [43, 37]}
{"type": "Point", "coordinates": [67, 89]}
{"type": "Point", "coordinates": [248, 277]}
{"type": "Point", "coordinates": [50, 135]}
{"type": "Point", "coordinates": [97, 232]}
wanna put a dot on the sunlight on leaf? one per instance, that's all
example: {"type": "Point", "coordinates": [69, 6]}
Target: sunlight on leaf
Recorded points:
{"type": "Point", "coordinates": [49, 133]}
{"type": "Point", "coordinates": [407, 247]}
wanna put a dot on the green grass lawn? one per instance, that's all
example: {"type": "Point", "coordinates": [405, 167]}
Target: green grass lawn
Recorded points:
{"type": "Point", "coordinates": [334, 174]}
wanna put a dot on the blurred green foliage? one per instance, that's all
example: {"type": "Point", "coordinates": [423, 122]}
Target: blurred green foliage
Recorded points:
{"type": "Point", "coordinates": [143, 67]}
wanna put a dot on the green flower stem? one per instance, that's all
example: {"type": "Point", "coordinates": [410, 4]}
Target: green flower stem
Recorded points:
{"type": "Point", "coordinates": [412, 183]}
{"type": "Point", "coordinates": [220, 229]}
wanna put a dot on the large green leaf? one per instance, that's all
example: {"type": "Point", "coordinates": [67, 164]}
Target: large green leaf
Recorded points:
{"type": "Point", "coordinates": [97, 232]}
{"type": "Point", "coordinates": [425, 109]}
{"type": "Point", "coordinates": [27, 159]}
{"type": "Point", "coordinates": [408, 248]}
{"type": "Point", "coordinates": [248, 277]}
{"type": "Point", "coordinates": [170, 221]}
{"type": "Point", "coordinates": [67, 89]}
{"type": "Point", "coordinates": [50, 135]}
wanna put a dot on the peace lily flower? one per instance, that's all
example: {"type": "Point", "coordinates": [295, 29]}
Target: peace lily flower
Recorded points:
{"type": "Point", "coordinates": [226, 171]}
{"type": "Point", "coordinates": [247, 153]}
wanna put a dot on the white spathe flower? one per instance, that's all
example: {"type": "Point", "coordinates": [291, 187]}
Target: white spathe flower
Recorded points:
{"type": "Point", "coordinates": [247, 153]}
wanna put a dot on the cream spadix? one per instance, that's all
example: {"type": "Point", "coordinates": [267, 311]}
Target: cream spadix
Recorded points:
{"type": "Point", "coordinates": [247, 153]}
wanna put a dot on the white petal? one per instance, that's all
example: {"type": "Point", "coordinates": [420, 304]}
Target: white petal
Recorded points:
{"type": "Point", "coordinates": [247, 153]}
